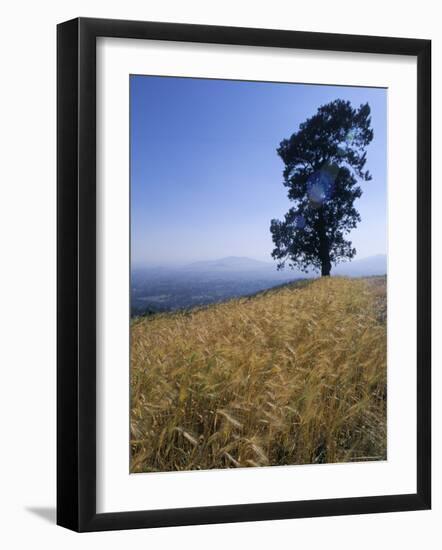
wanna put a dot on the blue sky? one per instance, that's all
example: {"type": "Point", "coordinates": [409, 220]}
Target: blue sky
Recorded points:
{"type": "Point", "coordinates": [205, 176]}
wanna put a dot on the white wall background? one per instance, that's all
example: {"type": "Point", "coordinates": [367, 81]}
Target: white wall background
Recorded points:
{"type": "Point", "coordinates": [27, 289]}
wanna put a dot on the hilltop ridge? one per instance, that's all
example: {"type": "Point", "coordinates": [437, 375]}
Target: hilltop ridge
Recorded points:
{"type": "Point", "coordinates": [170, 288]}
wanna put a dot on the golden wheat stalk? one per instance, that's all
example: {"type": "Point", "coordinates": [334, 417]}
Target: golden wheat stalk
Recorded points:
{"type": "Point", "coordinates": [295, 375]}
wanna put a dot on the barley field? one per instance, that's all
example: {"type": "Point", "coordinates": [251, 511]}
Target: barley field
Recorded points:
{"type": "Point", "coordinates": [294, 375]}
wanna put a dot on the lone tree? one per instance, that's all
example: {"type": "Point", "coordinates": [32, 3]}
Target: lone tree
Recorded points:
{"type": "Point", "coordinates": [323, 162]}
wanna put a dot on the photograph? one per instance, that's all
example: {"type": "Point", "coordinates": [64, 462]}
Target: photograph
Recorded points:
{"type": "Point", "coordinates": [243, 274]}
{"type": "Point", "coordinates": [258, 270]}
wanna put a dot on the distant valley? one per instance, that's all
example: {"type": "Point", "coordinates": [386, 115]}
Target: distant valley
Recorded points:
{"type": "Point", "coordinates": [159, 289]}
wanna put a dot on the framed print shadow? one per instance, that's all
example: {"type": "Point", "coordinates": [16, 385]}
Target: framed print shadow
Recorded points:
{"type": "Point", "coordinates": [243, 274]}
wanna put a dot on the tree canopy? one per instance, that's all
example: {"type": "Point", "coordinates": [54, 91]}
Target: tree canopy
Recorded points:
{"type": "Point", "coordinates": [324, 161]}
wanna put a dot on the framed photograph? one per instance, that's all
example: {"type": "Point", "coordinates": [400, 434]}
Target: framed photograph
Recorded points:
{"type": "Point", "coordinates": [243, 274]}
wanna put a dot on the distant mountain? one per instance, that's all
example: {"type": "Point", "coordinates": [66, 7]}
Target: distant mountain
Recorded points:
{"type": "Point", "coordinates": [231, 263]}
{"type": "Point", "coordinates": [365, 267]}
{"type": "Point", "coordinates": [238, 268]}
{"type": "Point", "coordinates": [243, 266]}
{"type": "Point", "coordinates": [373, 265]}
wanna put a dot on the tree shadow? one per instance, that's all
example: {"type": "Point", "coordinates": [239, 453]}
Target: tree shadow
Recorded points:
{"type": "Point", "coordinates": [45, 512]}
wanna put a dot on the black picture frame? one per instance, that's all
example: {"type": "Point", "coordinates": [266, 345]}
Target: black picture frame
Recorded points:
{"type": "Point", "coordinates": [76, 274]}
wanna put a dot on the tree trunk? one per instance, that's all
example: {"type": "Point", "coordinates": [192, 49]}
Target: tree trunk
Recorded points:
{"type": "Point", "coordinates": [324, 247]}
{"type": "Point", "coordinates": [325, 268]}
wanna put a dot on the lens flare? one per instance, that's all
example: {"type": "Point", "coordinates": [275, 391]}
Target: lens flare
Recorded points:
{"type": "Point", "coordinates": [300, 222]}
{"type": "Point", "coordinates": [320, 187]}
{"type": "Point", "coordinates": [350, 136]}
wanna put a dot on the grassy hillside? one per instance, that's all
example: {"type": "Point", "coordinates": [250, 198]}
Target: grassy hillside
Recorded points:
{"type": "Point", "coordinates": [295, 375]}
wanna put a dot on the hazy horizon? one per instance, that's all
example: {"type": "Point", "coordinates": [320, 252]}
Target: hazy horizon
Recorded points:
{"type": "Point", "coordinates": [270, 261]}
{"type": "Point", "coordinates": [205, 176]}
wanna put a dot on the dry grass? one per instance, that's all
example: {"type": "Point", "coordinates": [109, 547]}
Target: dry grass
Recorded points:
{"type": "Point", "coordinates": [296, 375]}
